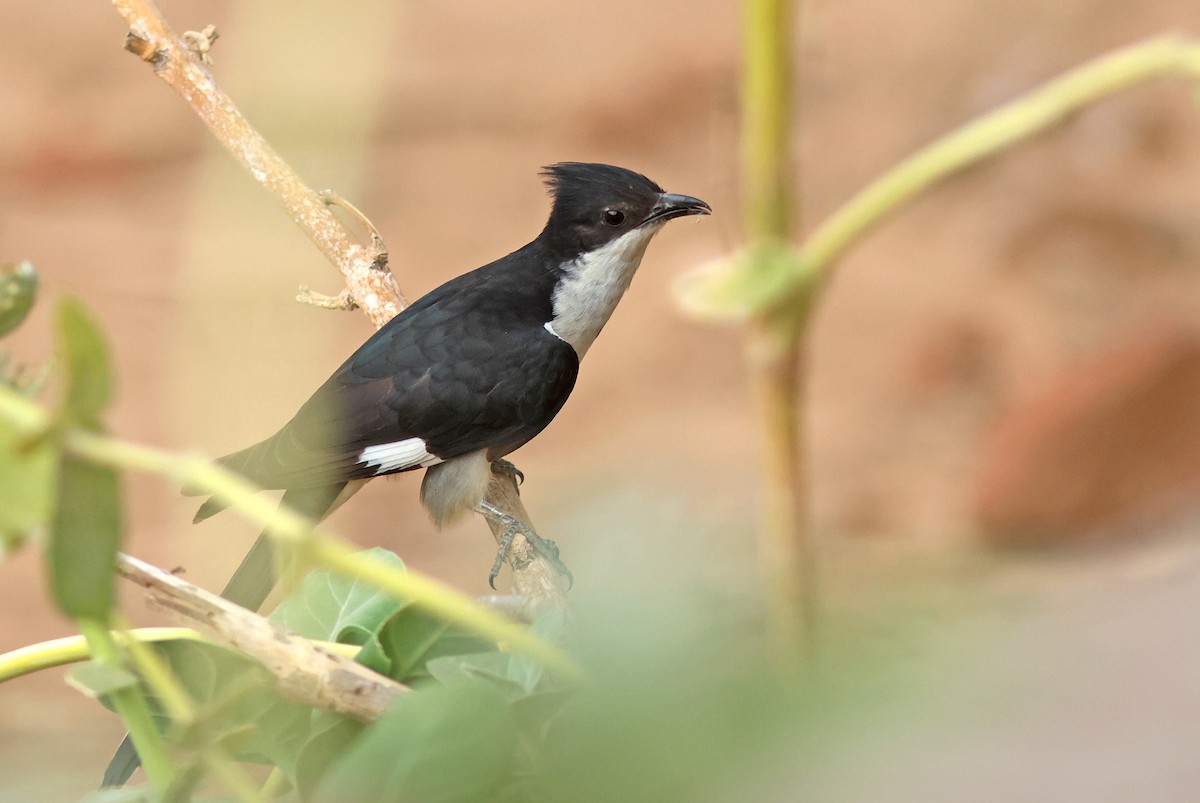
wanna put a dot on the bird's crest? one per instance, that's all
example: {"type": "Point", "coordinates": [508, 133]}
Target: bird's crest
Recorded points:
{"type": "Point", "coordinates": [585, 178]}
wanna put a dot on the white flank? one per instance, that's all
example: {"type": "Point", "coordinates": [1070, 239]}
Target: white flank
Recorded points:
{"type": "Point", "coordinates": [397, 456]}
{"type": "Point", "coordinates": [587, 295]}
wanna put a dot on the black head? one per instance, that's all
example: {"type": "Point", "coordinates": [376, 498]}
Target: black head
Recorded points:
{"type": "Point", "coordinates": [595, 204]}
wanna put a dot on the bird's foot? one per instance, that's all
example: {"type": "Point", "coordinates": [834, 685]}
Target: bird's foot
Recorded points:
{"type": "Point", "coordinates": [507, 469]}
{"type": "Point", "coordinates": [546, 549]}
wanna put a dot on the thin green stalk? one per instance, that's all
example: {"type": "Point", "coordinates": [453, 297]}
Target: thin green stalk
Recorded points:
{"type": "Point", "coordinates": [73, 649]}
{"type": "Point", "coordinates": [786, 549]}
{"type": "Point", "coordinates": [290, 528]}
{"type": "Point", "coordinates": [785, 544]}
{"type": "Point", "coordinates": [993, 132]}
{"type": "Point", "coordinates": [131, 706]}
{"type": "Point", "coordinates": [784, 313]}
{"type": "Point", "coordinates": [767, 119]}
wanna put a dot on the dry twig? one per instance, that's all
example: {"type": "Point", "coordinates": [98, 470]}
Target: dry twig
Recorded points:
{"type": "Point", "coordinates": [305, 672]}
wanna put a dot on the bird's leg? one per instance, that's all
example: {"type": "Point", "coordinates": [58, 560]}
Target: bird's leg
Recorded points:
{"type": "Point", "coordinates": [506, 469]}
{"type": "Point", "coordinates": [545, 548]}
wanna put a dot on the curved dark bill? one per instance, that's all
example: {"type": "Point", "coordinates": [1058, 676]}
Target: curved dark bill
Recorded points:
{"type": "Point", "coordinates": [671, 206]}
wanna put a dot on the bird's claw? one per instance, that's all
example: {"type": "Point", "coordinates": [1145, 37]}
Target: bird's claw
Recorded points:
{"type": "Point", "coordinates": [507, 469]}
{"type": "Point", "coordinates": [546, 549]}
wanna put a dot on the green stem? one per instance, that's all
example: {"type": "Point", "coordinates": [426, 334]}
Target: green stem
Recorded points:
{"type": "Point", "coordinates": [785, 544]}
{"type": "Point", "coordinates": [131, 706]}
{"type": "Point", "coordinates": [994, 132]}
{"type": "Point", "coordinates": [291, 529]}
{"type": "Point", "coordinates": [767, 118]}
{"type": "Point", "coordinates": [73, 649]}
{"type": "Point", "coordinates": [786, 550]}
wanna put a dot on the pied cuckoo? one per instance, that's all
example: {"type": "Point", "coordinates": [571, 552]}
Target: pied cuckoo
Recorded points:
{"type": "Point", "coordinates": [462, 377]}
{"type": "Point", "coordinates": [468, 372]}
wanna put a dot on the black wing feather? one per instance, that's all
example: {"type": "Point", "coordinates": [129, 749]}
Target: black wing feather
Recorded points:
{"type": "Point", "coordinates": [469, 366]}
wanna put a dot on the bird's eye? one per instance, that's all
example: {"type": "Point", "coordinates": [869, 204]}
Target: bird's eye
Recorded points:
{"type": "Point", "coordinates": [613, 217]}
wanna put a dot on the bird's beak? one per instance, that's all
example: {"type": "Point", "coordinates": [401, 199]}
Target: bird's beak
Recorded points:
{"type": "Point", "coordinates": [671, 206]}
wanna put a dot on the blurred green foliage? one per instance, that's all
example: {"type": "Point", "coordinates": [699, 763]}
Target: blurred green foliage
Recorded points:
{"type": "Point", "coordinates": [18, 289]}
{"type": "Point", "coordinates": [85, 366]}
{"type": "Point", "coordinates": [85, 528]}
{"type": "Point", "coordinates": [27, 469]}
{"type": "Point", "coordinates": [84, 538]}
{"type": "Point", "coordinates": [685, 703]}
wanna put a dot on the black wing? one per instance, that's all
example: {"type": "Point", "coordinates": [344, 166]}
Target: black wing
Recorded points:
{"type": "Point", "coordinates": [469, 366]}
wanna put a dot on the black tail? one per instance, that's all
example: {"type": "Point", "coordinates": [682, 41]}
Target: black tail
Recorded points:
{"type": "Point", "coordinates": [249, 587]}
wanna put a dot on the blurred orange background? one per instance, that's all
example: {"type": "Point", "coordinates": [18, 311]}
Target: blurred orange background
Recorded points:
{"type": "Point", "coordinates": [1004, 439]}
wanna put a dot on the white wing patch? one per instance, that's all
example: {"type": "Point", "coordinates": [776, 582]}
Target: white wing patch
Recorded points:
{"type": "Point", "coordinates": [397, 456]}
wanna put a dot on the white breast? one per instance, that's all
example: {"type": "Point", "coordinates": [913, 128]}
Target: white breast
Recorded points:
{"type": "Point", "coordinates": [587, 295]}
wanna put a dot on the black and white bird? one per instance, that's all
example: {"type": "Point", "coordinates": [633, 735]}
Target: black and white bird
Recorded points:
{"type": "Point", "coordinates": [462, 377]}
{"type": "Point", "coordinates": [467, 373]}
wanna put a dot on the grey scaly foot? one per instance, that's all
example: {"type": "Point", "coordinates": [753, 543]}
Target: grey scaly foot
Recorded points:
{"type": "Point", "coordinates": [545, 548]}
{"type": "Point", "coordinates": [507, 469]}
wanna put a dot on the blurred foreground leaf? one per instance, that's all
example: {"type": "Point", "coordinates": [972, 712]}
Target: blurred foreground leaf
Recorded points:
{"type": "Point", "coordinates": [96, 680]}
{"type": "Point", "coordinates": [27, 484]}
{"type": "Point", "coordinates": [329, 738]}
{"type": "Point", "coordinates": [236, 704]}
{"type": "Point", "coordinates": [86, 364]}
{"type": "Point", "coordinates": [84, 538]}
{"type": "Point", "coordinates": [445, 743]}
{"type": "Point", "coordinates": [18, 290]}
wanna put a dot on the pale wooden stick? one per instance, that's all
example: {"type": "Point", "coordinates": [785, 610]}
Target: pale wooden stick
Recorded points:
{"type": "Point", "coordinates": [304, 672]}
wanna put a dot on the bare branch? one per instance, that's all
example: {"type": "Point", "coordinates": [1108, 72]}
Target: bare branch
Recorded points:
{"type": "Point", "coordinates": [305, 672]}
{"type": "Point", "coordinates": [180, 66]}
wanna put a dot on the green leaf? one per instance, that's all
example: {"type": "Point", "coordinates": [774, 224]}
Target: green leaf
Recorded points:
{"type": "Point", "coordinates": [412, 637]}
{"type": "Point", "coordinates": [443, 743]}
{"type": "Point", "coordinates": [236, 703]}
{"type": "Point", "coordinates": [27, 483]}
{"type": "Point", "coordinates": [98, 680]}
{"type": "Point", "coordinates": [535, 711]}
{"type": "Point", "coordinates": [371, 655]}
{"type": "Point", "coordinates": [329, 738]}
{"type": "Point", "coordinates": [328, 606]}
{"type": "Point", "coordinates": [18, 290]}
{"type": "Point", "coordinates": [516, 673]}
{"type": "Point", "coordinates": [526, 672]}
{"type": "Point", "coordinates": [85, 356]}
{"type": "Point", "coordinates": [84, 538]}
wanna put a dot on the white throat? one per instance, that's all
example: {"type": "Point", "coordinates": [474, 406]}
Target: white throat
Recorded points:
{"type": "Point", "coordinates": [593, 284]}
